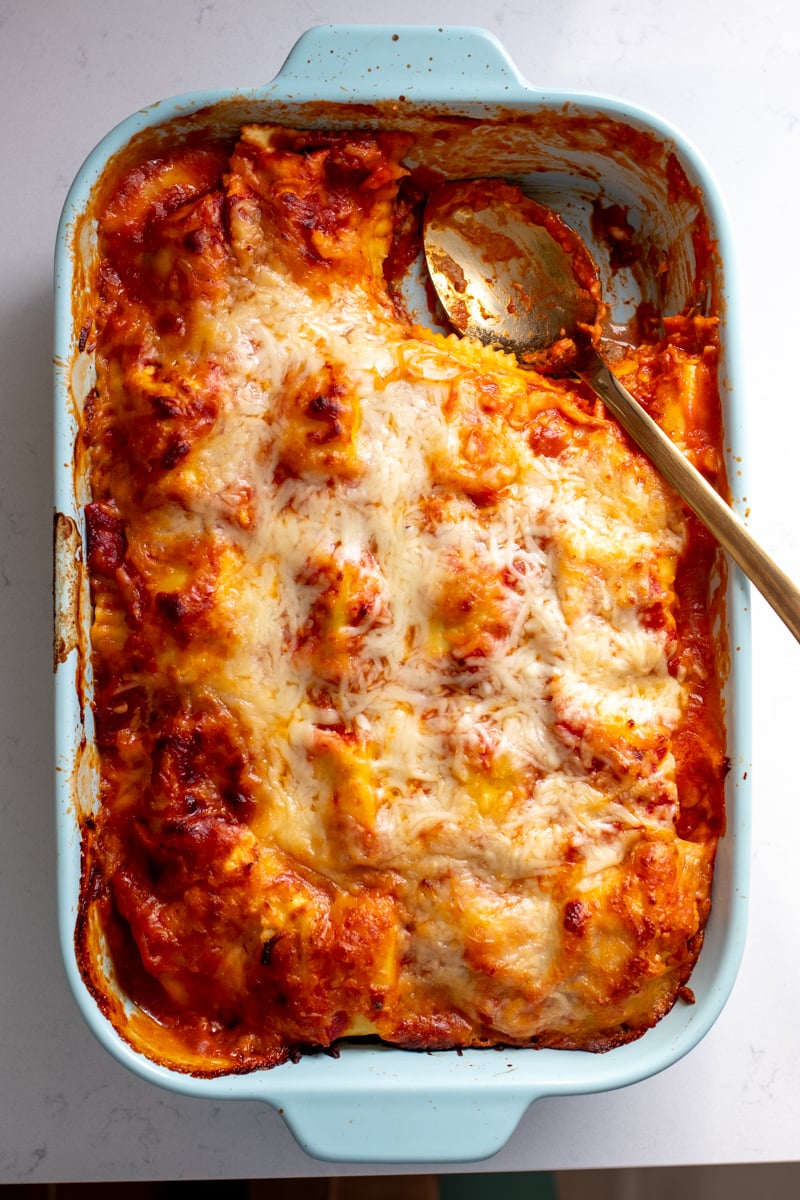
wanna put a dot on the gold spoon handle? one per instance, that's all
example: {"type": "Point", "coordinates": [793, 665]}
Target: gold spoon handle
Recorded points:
{"type": "Point", "coordinates": [775, 586]}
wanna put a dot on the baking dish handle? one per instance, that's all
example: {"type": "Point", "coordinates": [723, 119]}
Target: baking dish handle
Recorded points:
{"type": "Point", "coordinates": [353, 62]}
{"type": "Point", "coordinates": [397, 1126]}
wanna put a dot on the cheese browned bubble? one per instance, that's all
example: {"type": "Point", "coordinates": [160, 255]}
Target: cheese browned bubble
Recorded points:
{"type": "Point", "coordinates": [391, 667]}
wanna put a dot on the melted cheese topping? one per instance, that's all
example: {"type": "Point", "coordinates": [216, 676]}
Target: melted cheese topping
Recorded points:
{"type": "Point", "coordinates": [391, 701]}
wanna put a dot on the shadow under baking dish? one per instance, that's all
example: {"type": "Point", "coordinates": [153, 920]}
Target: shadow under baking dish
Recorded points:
{"type": "Point", "coordinates": [374, 1103]}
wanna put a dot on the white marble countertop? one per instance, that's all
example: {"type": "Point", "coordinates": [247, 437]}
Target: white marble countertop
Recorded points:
{"type": "Point", "coordinates": [727, 74]}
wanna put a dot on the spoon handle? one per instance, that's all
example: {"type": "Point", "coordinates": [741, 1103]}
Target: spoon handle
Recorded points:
{"type": "Point", "coordinates": [775, 586]}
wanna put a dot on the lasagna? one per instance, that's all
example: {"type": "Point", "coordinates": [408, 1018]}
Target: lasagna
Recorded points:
{"type": "Point", "coordinates": [406, 681]}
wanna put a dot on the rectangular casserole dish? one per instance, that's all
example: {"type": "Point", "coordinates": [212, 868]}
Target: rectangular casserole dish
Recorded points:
{"type": "Point", "coordinates": [373, 1103]}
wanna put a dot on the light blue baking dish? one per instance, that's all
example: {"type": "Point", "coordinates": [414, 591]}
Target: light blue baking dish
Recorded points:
{"type": "Point", "coordinates": [374, 1103]}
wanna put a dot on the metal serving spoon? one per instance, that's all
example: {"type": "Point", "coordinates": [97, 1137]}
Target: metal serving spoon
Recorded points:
{"type": "Point", "coordinates": [512, 274]}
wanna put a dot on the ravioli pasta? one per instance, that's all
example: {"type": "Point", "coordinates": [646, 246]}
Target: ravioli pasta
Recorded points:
{"type": "Point", "coordinates": [405, 691]}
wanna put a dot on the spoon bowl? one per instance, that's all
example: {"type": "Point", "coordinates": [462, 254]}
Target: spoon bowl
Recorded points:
{"type": "Point", "coordinates": [513, 274]}
{"type": "Point", "coordinates": [508, 271]}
